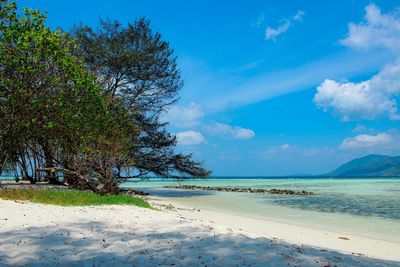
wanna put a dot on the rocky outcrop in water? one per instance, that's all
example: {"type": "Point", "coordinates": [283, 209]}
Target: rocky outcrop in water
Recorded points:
{"type": "Point", "coordinates": [241, 190]}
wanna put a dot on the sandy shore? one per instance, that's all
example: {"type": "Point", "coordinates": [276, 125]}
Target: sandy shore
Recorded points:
{"type": "Point", "coordinates": [44, 235]}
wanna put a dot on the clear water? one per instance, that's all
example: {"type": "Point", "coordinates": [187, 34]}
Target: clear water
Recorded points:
{"type": "Point", "coordinates": [367, 207]}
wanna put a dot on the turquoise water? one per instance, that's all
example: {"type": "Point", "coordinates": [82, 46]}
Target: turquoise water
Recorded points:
{"type": "Point", "coordinates": [367, 207]}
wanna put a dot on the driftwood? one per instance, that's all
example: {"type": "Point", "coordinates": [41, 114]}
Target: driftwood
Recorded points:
{"type": "Point", "coordinates": [91, 184]}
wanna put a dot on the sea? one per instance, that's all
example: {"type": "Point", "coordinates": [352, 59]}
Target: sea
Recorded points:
{"type": "Point", "coordinates": [366, 207]}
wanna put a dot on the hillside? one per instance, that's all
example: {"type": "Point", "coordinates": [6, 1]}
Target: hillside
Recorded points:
{"type": "Point", "coordinates": [369, 166]}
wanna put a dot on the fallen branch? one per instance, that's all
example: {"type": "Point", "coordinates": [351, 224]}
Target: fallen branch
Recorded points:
{"type": "Point", "coordinates": [76, 174]}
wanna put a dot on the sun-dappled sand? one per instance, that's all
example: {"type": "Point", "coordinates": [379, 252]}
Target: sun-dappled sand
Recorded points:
{"type": "Point", "coordinates": [46, 235]}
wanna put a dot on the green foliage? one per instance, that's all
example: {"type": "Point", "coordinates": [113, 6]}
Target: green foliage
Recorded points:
{"type": "Point", "coordinates": [138, 69]}
{"type": "Point", "coordinates": [51, 107]}
{"type": "Point", "coordinates": [88, 107]}
{"type": "Point", "coordinates": [70, 197]}
{"type": "Point", "coordinates": [46, 92]}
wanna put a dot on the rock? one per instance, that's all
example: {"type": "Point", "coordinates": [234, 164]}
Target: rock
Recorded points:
{"type": "Point", "coordinates": [134, 192]}
{"type": "Point", "coordinates": [242, 190]}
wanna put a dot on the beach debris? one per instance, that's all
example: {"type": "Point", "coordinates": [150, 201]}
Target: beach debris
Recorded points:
{"type": "Point", "coordinates": [170, 207]}
{"type": "Point", "coordinates": [343, 237]}
{"type": "Point", "coordinates": [241, 190]}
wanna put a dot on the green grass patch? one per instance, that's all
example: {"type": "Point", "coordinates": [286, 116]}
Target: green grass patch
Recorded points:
{"type": "Point", "coordinates": [70, 197]}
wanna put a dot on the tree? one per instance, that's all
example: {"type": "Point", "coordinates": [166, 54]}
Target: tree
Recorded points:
{"type": "Point", "coordinates": [88, 107]}
{"type": "Point", "coordinates": [53, 113]}
{"type": "Point", "coordinates": [137, 68]}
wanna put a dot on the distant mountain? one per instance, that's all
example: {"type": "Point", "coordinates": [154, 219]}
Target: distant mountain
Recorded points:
{"type": "Point", "coordinates": [369, 166]}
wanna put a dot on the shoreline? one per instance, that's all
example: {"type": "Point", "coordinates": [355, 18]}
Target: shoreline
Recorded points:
{"type": "Point", "coordinates": [306, 218]}
{"type": "Point", "coordinates": [36, 234]}
{"type": "Point", "coordinates": [347, 243]}
{"type": "Point", "coordinates": [299, 234]}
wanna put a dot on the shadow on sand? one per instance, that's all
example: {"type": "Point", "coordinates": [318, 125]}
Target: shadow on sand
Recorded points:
{"type": "Point", "coordinates": [93, 244]}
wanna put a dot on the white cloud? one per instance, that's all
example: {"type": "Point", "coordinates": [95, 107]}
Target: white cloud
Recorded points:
{"type": "Point", "coordinates": [367, 141]}
{"type": "Point", "coordinates": [285, 146]}
{"type": "Point", "coordinates": [229, 89]}
{"type": "Point", "coordinates": [242, 133]}
{"type": "Point", "coordinates": [376, 97]}
{"type": "Point", "coordinates": [379, 143]}
{"type": "Point", "coordinates": [188, 138]}
{"type": "Point", "coordinates": [299, 15]}
{"type": "Point", "coordinates": [368, 99]}
{"type": "Point", "coordinates": [359, 128]}
{"type": "Point", "coordinates": [260, 21]}
{"type": "Point", "coordinates": [184, 117]}
{"type": "Point", "coordinates": [272, 33]}
{"type": "Point", "coordinates": [377, 30]}
{"type": "Point", "coordinates": [227, 130]}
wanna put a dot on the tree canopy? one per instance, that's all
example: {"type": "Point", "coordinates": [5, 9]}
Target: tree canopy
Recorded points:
{"type": "Point", "coordinates": [137, 68]}
{"type": "Point", "coordinates": [87, 104]}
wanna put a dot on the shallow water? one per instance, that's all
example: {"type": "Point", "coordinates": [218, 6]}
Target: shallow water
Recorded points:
{"type": "Point", "coordinates": [367, 207]}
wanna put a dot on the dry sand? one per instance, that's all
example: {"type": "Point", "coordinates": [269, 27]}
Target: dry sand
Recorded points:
{"type": "Point", "coordinates": [45, 235]}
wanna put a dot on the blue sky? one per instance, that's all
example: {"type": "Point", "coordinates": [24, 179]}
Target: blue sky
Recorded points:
{"type": "Point", "coordinates": [272, 87]}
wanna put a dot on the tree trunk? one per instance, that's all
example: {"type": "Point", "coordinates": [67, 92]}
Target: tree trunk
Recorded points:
{"type": "Point", "coordinates": [3, 161]}
{"type": "Point", "coordinates": [24, 171]}
{"type": "Point", "coordinates": [48, 156]}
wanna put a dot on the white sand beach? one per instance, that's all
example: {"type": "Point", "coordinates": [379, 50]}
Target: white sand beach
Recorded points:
{"type": "Point", "coordinates": [45, 235]}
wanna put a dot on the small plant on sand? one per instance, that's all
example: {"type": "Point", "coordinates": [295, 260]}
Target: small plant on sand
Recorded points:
{"type": "Point", "coordinates": [70, 197]}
